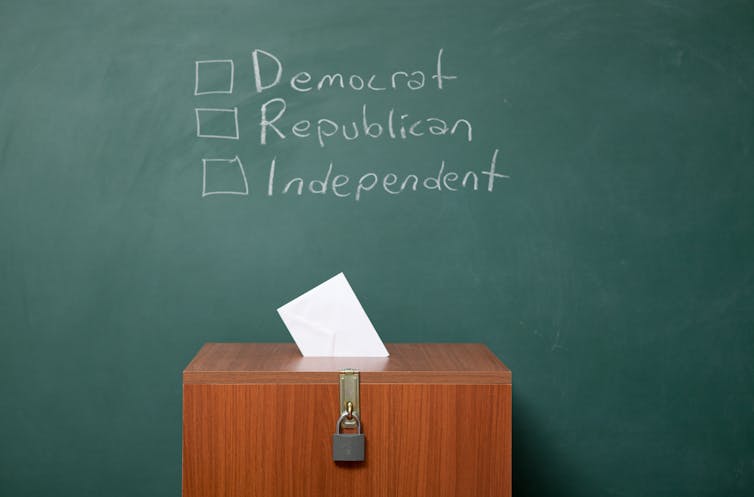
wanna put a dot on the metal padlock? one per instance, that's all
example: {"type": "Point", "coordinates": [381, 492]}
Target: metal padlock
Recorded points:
{"type": "Point", "coordinates": [348, 447]}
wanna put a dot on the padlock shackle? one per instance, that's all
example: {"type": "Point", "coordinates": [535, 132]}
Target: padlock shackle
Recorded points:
{"type": "Point", "coordinates": [345, 416]}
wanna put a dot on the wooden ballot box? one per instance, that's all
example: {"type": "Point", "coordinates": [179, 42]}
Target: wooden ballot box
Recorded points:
{"type": "Point", "coordinates": [258, 421]}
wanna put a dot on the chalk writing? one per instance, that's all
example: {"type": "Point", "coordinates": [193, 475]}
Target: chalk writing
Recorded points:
{"type": "Point", "coordinates": [276, 124]}
{"type": "Point", "coordinates": [391, 126]}
{"type": "Point", "coordinates": [208, 88]}
{"type": "Point", "coordinates": [217, 116]}
{"type": "Point", "coordinates": [342, 185]}
{"type": "Point", "coordinates": [238, 176]}
{"type": "Point", "coordinates": [304, 81]}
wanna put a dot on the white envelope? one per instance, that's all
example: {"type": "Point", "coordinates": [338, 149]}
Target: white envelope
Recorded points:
{"type": "Point", "coordinates": [328, 321]}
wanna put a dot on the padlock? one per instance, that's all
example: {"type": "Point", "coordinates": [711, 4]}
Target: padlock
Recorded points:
{"type": "Point", "coordinates": [348, 447]}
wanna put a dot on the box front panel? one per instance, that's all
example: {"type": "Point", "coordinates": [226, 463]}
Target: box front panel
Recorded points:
{"type": "Point", "coordinates": [422, 440]}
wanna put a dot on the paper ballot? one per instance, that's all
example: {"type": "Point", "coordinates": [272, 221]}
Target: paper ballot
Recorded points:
{"type": "Point", "coordinates": [329, 321]}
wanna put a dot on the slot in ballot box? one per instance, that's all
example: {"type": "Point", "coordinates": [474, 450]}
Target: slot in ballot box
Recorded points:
{"type": "Point", "coordinates": [259, 419]}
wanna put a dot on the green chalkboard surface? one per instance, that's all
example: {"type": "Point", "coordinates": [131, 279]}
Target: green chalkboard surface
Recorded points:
{"type": "Point", "coordinates": [567, 182]}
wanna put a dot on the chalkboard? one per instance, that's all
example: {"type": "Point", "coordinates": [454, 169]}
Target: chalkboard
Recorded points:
{"type": "Point", "coordinates": [567, 182]}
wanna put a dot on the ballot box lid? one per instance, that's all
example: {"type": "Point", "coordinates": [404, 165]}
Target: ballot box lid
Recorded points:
{"type": "Point", "coordinates": [233, 363]}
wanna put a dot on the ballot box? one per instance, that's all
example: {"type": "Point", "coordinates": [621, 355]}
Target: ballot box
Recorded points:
{"type": "Point", "coordinates": [259, 420]}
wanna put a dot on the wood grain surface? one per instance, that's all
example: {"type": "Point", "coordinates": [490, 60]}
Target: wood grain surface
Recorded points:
{"type": "Point", "coordinates": [274, 440]}
{"type": "Point", "coordinates": [283, 363]}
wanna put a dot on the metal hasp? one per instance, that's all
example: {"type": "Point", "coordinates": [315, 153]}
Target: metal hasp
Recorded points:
{"type": "Point", "coordinates": [349, 392]}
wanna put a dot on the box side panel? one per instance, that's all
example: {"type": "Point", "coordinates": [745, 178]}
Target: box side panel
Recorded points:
{"type": "Point", "coordinates": [275, 440]}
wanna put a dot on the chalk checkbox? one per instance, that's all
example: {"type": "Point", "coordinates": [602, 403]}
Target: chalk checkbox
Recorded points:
{"type": "Point", "coordinates": [217, 123]}
{"type": "Point", "coordinates": [213, 76]}
{"type": "Point", "coordinates": [224, 177]}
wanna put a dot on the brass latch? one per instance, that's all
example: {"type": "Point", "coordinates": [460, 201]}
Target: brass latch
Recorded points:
{"type": "Point", "coordinates": [349, 397]}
